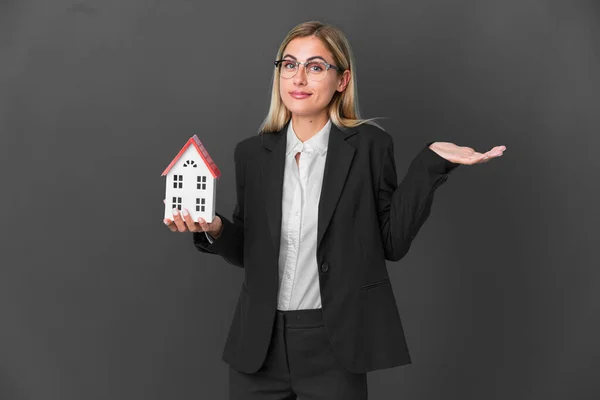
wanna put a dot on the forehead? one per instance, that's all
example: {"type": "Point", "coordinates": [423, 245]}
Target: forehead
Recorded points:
{"type": "Point", "coordinates": [305, 47]}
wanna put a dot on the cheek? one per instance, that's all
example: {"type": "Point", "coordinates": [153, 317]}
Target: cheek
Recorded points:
{"type": "Point", "coordinates": [284, 93]}
{"type": "Point", "coordinates": [285, 87]}
{"type": "Point", "coordinates": [282, 87]}
{"type": "Point", "coordinates": [324, 93]}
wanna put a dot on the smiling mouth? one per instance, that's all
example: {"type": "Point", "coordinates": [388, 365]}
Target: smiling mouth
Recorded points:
{"type": "Point", "coordinates": [300, 95]}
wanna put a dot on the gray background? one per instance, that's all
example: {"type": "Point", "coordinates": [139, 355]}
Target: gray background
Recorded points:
{"type": "Point", "coordinates": [98, 300]}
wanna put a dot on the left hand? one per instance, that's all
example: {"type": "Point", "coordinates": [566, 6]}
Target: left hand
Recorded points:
{"type": "Point", "coordinates": [465, 155]}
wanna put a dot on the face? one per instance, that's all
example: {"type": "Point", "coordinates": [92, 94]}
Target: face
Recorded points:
{"type": "Point", "coordinates": [301, 95]}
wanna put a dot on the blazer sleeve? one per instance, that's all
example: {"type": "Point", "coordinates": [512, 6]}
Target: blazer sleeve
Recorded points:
{"type": "Point", "coordinates": [230, 243]}
{"type": "Point", "coordinates": [404, 208]}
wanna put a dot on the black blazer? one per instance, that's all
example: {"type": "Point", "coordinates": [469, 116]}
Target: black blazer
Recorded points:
{"type": "Point", "coordinates": [365, 218]}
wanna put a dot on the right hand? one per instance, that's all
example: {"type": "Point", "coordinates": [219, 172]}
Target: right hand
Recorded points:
{"type": "Point", "coordinates": [183, 222]}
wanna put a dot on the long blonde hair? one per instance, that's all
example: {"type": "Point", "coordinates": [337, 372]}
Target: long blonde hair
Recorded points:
{"type": "Point", "coordinates": [343, 108]}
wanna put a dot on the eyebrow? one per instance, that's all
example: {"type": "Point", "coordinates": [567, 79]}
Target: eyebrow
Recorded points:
{"type": "Point", "coordinates": [308, 59]}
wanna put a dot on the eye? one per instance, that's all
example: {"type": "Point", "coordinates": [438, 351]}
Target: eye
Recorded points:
{"type": "Point", "coordinates": [316, 67]}
{"type": "Point", "coordinates": [288, 65]}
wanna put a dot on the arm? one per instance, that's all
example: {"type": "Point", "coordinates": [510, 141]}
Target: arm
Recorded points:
{"type": "Point", "coordinates": [230, 243]}
{"type": "Point", "coordinates": [404, 208]}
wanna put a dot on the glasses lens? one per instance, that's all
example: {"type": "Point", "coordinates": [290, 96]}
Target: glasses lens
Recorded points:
{"type": "Point", "coordinates": [287, 69]}
{"type": "Point", "coordinates": [316, 70]}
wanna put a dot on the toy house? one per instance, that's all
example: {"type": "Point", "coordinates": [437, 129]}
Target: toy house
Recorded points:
{"type": "Point", "coordinates": [192, 182]}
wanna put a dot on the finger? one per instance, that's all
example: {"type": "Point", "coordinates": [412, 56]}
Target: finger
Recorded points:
{"type": "Point", "coordinates": [205, 226]}
{"type": "Point", "coordinates": [482, 158]}
{"type": "Point", "coordinates": [496, 151]}
{"type": "Point", "coordinates": [189, 222]}
{"type": "Point", "coordinates": [170, 224]}
{"type": "Point", "coordinates": [178, 221]}
{"type": "Point", "coordinates": [489, 156]}
{"type": "Point", "coordinates": [499, 150]}
{"type": "Point", "coordinates": [164, 201]}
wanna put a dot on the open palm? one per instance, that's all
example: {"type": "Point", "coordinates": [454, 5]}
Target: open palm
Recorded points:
{"type": "Point", "coordinates": [465, 155]}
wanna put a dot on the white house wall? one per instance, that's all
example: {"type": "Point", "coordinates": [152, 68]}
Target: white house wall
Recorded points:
{"type": "Point", "coordinates": [189, 191]}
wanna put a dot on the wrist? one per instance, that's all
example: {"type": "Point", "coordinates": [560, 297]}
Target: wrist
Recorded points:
{"type": "Point", "coordinates": [218, 232]}
{"type": "Point", "coordinates": [214, 235]}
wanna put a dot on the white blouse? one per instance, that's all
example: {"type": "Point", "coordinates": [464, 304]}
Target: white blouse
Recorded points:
{"type": "Point", "coordinates": [298, 268]}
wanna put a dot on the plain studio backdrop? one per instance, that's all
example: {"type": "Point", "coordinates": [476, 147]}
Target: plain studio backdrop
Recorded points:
{"type": "Point", "coordinates": [99, 300]}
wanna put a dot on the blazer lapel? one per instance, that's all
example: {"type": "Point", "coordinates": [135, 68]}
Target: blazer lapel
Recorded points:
{"type": "Point", "coordinates": [272, 174]}
{"type": "Point", "coordinates": [337, 164]}
{"type": "Point", "coordinates": [339, 158]}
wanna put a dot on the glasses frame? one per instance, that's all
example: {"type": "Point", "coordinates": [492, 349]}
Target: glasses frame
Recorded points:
{"type": "Point", "coordinates": [298, 63]}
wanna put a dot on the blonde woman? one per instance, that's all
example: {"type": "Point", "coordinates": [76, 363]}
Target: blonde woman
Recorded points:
{"type": "Point", "coordinates": [319, 211]}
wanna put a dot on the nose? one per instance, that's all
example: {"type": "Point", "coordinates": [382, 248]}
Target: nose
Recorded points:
{"type": "Point", "coordinates": [300, 77]}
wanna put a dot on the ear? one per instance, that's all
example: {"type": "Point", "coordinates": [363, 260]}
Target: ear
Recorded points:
{"type": "Point", "coordinates": [344, 81]}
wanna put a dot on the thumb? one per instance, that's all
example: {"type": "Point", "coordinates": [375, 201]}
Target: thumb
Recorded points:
{"type": "Point", "coordinates": [203, 224]}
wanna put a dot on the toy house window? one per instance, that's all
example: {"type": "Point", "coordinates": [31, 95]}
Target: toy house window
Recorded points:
{"type": "Point", "coordinates": [200, 204]}
{"type": "Point", "coordinates": [189, 163]}
{"type": "Point", "coordinates": [201, 182]}
{"type": "Point", "coordinates": [177, 202]}
{"type": "Point", "coordinates": [178, 181]}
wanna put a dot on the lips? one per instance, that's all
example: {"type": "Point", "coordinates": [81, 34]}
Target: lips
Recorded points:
{"type": "Point", "coordinates": [299, 95]}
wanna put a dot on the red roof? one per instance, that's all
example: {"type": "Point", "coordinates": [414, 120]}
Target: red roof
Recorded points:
{"type": "Point", "coordinates": [214, 170]}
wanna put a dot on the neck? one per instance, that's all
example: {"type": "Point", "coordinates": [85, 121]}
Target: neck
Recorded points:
{"type": "Point", "coordinates": [306, 127]}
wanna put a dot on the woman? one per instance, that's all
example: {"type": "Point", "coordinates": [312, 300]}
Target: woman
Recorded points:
{"type": "Point", "coordinates": [318, 212]}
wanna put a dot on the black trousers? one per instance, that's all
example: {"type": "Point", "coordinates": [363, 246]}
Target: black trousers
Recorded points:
{"type": "Point", "coordinates": [299, 365]}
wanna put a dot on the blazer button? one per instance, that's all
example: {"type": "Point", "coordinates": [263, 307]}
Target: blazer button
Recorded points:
{"type": "Point", "coordinates": [325, 267]}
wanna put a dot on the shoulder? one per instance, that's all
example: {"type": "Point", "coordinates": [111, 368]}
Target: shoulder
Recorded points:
{"type": "Point", "coordinates": [370, 136]}
{"type": "Point", "coordinates": [374, 133]}
{"type": "Point", "coordinates": [247, 147]}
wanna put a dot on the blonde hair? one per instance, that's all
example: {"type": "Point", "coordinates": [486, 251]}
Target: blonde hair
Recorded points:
{"type": "Point", "coordinates": [343, 108]}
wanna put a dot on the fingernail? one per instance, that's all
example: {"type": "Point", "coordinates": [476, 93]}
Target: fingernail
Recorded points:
{"type": "Point", "coordinates": [185, 212]}
{"type": "Point", "coordinates": [175, 212]}
{"type": "Point", "coordinates": [165, 221]}
{"type": "Point", "coordinates": [200, 220]}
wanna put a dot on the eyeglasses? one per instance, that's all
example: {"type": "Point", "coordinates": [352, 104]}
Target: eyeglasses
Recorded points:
{"type": "Point", "coordinates": [315, 70]}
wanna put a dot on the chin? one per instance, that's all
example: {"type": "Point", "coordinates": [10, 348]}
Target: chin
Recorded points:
{"type": "Point", "coordinates": [301, 111]}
